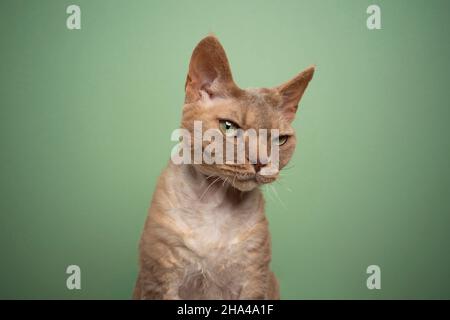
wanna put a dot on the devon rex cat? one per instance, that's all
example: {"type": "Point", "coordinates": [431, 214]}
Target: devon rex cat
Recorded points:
{"type": "Point", "coordinates": [206, 235]}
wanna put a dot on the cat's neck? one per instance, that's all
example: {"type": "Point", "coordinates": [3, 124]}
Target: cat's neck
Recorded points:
{"type": "Point", "coordinates": [209, 189]}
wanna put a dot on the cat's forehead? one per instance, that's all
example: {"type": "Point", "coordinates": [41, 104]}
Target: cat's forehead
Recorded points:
{"type": "Point", "coordinates": [258, 108]}
{"type": "Point", "coordinates": [262, 97]}
{"type": "Point", "coordinates": [261, 107]}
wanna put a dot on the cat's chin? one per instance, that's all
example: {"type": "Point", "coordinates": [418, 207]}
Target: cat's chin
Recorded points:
{"type": "Point", "coordinates": [243, 183]}
{"type": "Point", "coordinates": [245, 186]}
{"type": "Point", "coordinates": [252, 183]}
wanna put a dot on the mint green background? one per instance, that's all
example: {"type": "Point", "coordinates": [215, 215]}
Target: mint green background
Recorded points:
{"type": "Point", "coordinates": [86, 118]}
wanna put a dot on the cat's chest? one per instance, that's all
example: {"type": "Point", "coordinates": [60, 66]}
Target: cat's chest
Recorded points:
{"type": "Point", "coordinates": [214, 243]}
{"type": "Point", "coordinates": [214, 228]}
{"type": "Point", "coordinates": [215, 255]}
{"type": "Point", "coordinates": [214, 233]}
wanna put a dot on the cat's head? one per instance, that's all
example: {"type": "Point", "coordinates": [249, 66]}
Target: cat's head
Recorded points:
{"type": "Point", "coordinates": [213, 98]}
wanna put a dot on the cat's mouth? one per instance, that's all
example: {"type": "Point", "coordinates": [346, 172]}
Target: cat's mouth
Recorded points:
{"type": "Point", "coordinates": [243, 181]}
{"type": "Point", "coordinates": [250, 181]}
{"type": "Point", "coordinates": [263, 179]}
{"type": "Point", "coordinates": [257, 177]}
{"type": "Point", "coordinates": [248, 177]}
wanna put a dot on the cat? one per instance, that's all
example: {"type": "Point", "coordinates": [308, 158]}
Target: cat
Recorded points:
{"type": "Point", "coordinates": [206, 235]}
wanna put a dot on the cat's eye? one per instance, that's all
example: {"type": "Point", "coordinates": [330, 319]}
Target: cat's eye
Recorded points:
{"type": "Point", "coordinates": [229, 128]}
{"type": "Point", "coordinates": [280, 140]}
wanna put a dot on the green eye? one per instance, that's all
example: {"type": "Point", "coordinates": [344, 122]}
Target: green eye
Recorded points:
{"type": "Point", "coordinates": [228, 128]}
{"type": "Point", "coordinates": [280, 140]}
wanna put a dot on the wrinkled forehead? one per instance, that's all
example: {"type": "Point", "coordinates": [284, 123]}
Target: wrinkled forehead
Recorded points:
{"type": "Point", "coordinates": [255, 108]}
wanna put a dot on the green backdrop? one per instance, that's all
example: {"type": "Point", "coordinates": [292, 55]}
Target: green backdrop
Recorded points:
{"type": "Point", "coordinates": [86, 117]}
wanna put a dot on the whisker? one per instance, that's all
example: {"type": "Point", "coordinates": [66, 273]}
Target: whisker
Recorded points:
{"type": "Point", "coordinates": [217, 179]}
{"type": "Point", "coordinates": [266, 188]}
{"type": "Point", "coordinates": [284, 186]}
{"type": "Point", "coordinates": [278, 197]}
{"type": "Point", "coordinates": [224, 181]}
{"type": "Point", "coordinates": [234, 178]}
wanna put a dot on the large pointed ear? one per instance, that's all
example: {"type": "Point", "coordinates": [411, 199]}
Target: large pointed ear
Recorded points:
{"type": "Point", "coordinates": [209, 72]}
{"type": "Point", "coordinates": [292, 91]}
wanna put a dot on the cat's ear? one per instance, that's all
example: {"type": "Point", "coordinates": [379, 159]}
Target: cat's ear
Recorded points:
{"type": "Point", "coordinates": [209, 72]}
{"type": "Point", "coordinates": [292, 91]}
